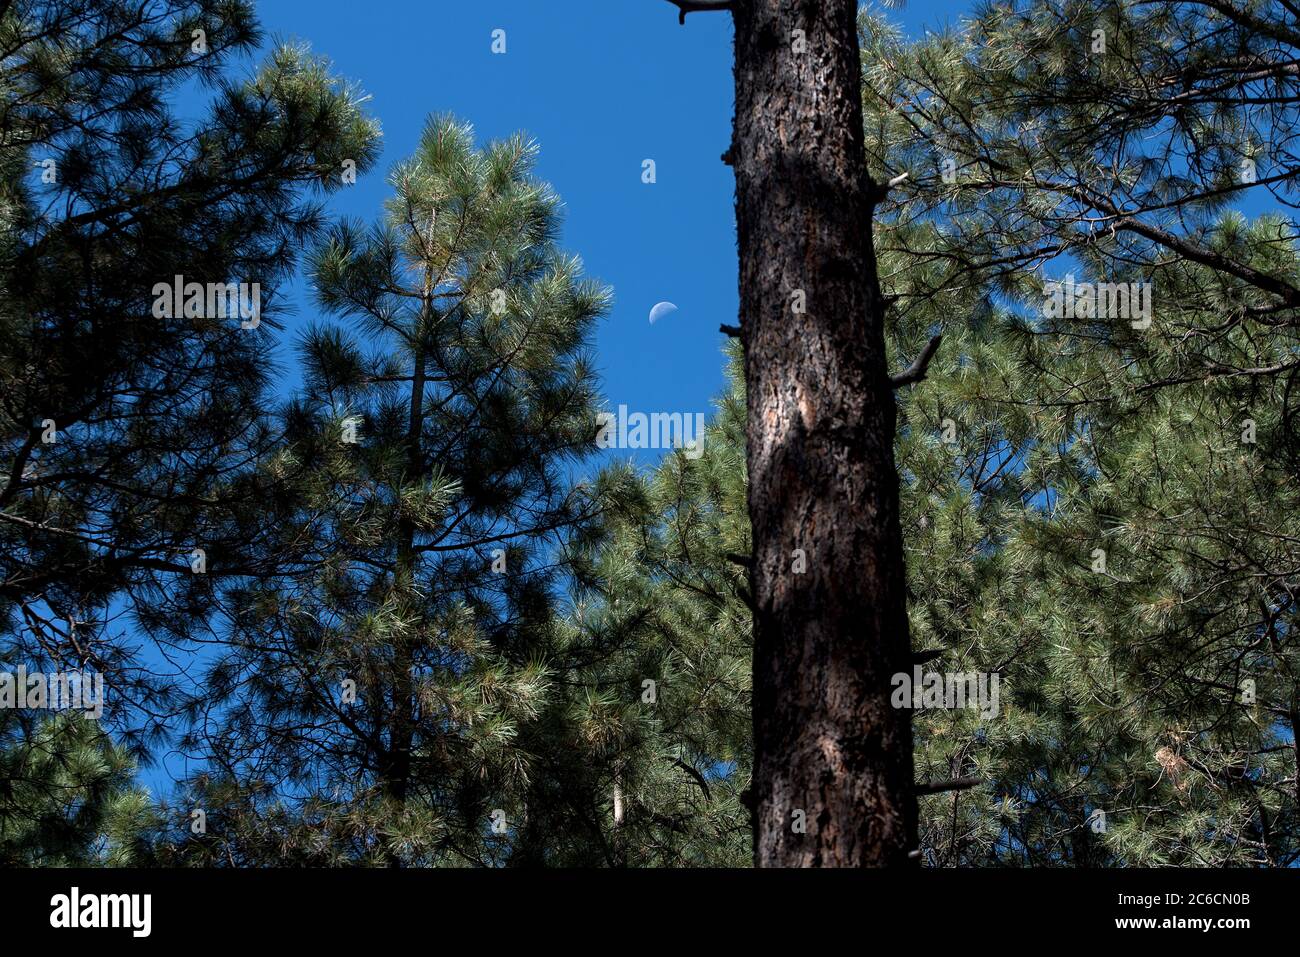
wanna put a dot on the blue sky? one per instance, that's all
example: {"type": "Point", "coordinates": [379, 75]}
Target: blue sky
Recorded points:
{"type": "Point", "coordinates": [602, 85]}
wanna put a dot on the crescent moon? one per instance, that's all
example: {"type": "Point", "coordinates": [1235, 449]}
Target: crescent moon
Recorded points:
{"type": "Point", "coordinates": [660, 310]}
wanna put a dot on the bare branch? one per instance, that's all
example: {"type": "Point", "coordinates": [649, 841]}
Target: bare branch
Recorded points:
{"type": "Point", "coordinates": [699, 778]}
{"type": "Point", "coordinates": [917, 372]}
{"type": "Point", "coordinates": [733, 331]}
{"type": "Point", "coordinates": [699, 6]}
{"type": "Point", "coordinates": [956, 784]}
{"type": "Point", "coordinates": [877, 192]}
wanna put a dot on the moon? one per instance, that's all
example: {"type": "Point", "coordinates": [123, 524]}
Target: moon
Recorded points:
{"type": "Point", "coordinates": [660, 310]}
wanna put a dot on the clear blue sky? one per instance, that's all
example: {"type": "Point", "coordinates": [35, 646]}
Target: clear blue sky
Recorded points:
{"type": "Point", "coordinates": [602, 85]}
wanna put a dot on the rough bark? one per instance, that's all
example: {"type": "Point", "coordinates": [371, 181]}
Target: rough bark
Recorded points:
{"type": "Point", "coordinates": [822, 477]}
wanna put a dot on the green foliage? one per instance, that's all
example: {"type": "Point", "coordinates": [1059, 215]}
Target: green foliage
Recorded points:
{"type": "Point", "coordinates": [373, 699]}
{"type": "Point", "coordinates": [65, 796]}
{"type": "Point", "coordinates": [125, 437]}
{"type": "Point", "coordinates": [1167, 447]}
{"type": "Point", "coordinates": [1102, 514]}
{"type": "Point", "coordinates": [651, 738]}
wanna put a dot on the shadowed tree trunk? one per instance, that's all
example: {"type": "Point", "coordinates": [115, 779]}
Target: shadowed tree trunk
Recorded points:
{"type": "Point", "coordinates": [833, 760]}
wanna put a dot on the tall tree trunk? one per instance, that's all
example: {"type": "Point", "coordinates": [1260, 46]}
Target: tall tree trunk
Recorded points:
{"type": "Point", "coordinates": [822, 482]}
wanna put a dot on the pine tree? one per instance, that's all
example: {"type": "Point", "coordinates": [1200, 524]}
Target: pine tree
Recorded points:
{"type": "Point", "coordinates": [648, 735]}
{"type": "Point", "coordinates": [1038, 452]}
{"type": "Point", "coordinates": [126, 435]}
{"type": "Point", "coordinates": [829, 750]}
{"type": "Point", "coordinates": [1151, 687]}
{"type": "Point", "coordinates": [1097, 511]}
{"type": "Point", "coordinates": [375, 692]}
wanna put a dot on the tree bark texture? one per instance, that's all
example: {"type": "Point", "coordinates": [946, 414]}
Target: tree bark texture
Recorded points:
{"type": "Point", "coordinates": [833, 763]}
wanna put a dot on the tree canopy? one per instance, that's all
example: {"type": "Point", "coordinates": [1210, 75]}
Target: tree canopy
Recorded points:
{"type": "Point", "coordinates": [406, 615]}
